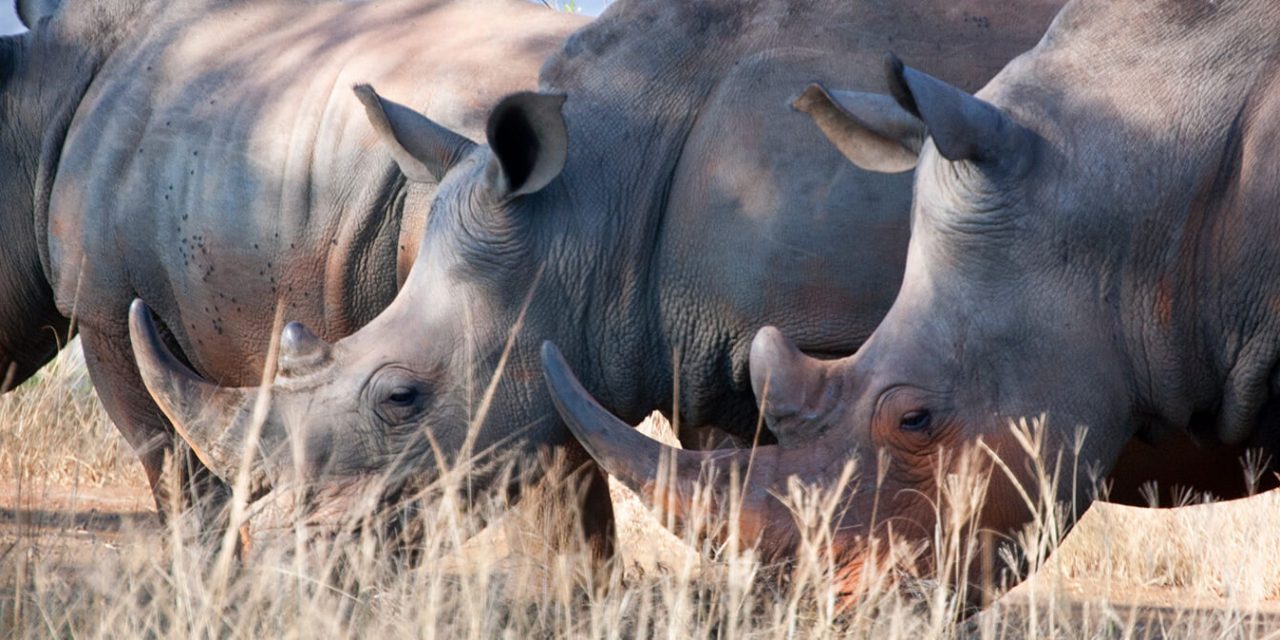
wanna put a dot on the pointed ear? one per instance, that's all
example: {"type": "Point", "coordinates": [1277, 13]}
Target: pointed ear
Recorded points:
{"type": "Point", "coordinates": [30, 12]}
{"type": "Point", "coordinates": [873, 131]}
{"type": "Point", "coordinates": [794, 390]}
{"type": "Point", "coordinates": [529, 141]}
{"type": "Point", "coordinates": [424, 150]}
{"type": "Point", "coordinates": [962, 126]}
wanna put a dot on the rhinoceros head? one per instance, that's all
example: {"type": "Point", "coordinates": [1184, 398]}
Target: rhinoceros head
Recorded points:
{"type": "Point", "coordinates": [415, 391]}
{"type": "Point", "coordinates": [1007, 311]}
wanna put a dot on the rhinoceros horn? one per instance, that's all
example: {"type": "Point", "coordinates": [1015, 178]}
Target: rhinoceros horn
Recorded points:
{"type": "Point", "coordinates": [213, 420]}
{"type": "Point", "coordinates": [671, 479]}
{"type": "Point", "coordinates": [301, 351]}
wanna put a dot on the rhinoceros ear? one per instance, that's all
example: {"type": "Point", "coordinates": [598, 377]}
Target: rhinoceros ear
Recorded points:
{"type": "Point", "coordinates": [424, 150]}
{"type": "Point", "coordinates": [794, 390]}
{"type": "Point", "coordinates": [31, 11]}
{"type": "Point", "coordinates": [872, 130]}
{"type": "Point", "coordinates": [963, 126]}
{"type": "Point", "coordinates": [529, 141]}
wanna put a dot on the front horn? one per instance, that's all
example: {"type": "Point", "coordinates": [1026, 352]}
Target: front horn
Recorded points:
{"type": "Point", "coordinates": [213, 420]}
{"type": "Point", "coordinates": [668, 477]}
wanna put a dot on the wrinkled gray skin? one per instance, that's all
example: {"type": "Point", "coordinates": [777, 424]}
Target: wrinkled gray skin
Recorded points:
{"type": "Point", "coordinates": [1094, 237]}
{"type": "Point", "coordinates": [211, 159]}
{"type": "Point", "coordinates": [673, 204]}
{"type": "Point", "coordinates": [31, 327]}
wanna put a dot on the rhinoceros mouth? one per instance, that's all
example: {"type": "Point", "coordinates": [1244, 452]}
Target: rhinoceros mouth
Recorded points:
{"type": "Point", "coordinates": [332, 510]}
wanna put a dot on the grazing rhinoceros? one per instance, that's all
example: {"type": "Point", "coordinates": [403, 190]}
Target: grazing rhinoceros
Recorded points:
{"type": "Point", "coordinates": [655, 204]}
{"type": "Point", "coordinates": [210, 158]}
{"type": "Point", "coordinates": [1095, 237]}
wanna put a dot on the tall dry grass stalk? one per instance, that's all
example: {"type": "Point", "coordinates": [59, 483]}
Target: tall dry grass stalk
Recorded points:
{"type": "Point", "coordinates": [54, 431]}
{"type": "Point", "coordinates": [453, 569]}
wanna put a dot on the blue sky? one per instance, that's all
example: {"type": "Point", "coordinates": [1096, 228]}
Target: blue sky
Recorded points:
{"type": "Point", "coordinates": [8, 19]}
{"type": "Point", "coordinates": [589, 7]}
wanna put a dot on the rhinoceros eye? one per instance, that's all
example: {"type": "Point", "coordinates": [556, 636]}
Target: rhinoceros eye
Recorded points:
{"type": "Point", "coordinates": [402, 396]}
{"type": "Point", "coordinates": [915, 421]}
{"type": "Point", "coordinates": [399, 398]}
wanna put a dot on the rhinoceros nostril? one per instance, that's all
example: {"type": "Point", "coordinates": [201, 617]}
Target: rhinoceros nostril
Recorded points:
{"type": "Point", "coordinates": [301, 350]}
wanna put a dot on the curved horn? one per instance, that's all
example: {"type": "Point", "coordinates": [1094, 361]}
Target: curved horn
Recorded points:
{"type": "Point", "coordinates": [213, 420]}
{"type": "Point", "coordinates": [665, 476]}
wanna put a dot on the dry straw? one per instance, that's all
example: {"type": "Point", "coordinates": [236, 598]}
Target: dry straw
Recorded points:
{"type": "Point", "coordinates": [484, 568]}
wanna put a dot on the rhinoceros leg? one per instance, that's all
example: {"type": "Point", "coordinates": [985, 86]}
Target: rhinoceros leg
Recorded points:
{"type": "Point", "coordinates": [1178, 467]}
{"type": "Point", "coordinates": [575, 493]}
{"type": "Point", "coordinates": [597, 514]}
{"type": "Point", "coordinates": [167, 460]}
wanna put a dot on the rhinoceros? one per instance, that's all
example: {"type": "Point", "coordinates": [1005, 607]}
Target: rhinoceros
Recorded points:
{"type": "Point", "coordinates": [1094, 238]}
{"type": "Point", "coordinates": [649, 208]}
{"type": "Point", "coordinates": [210, 158]}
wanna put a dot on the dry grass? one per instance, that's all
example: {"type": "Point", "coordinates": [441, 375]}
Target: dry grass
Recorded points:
{"type": "Point", "coordinates": [1202, 571]}
{"type": "Point", "coordinates": [54, 431]}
